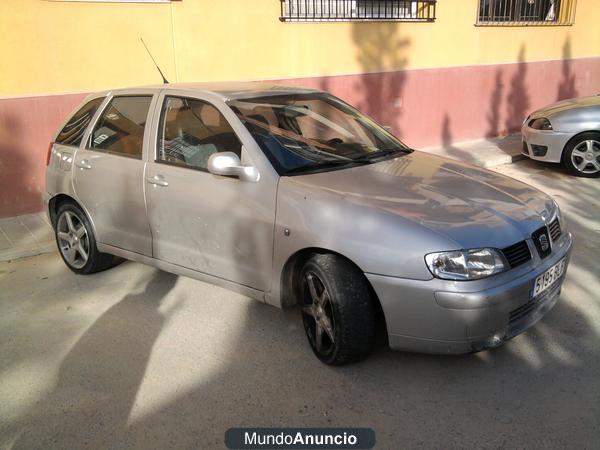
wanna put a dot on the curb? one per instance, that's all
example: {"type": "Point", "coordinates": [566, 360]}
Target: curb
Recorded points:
{"type": "Point", "coordinates": [27, 251]}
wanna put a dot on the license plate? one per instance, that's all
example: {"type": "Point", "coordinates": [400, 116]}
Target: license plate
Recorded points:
{"type": "Point", "coordinates": [549, 277]}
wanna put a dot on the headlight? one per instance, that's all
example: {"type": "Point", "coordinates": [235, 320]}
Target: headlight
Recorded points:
{"type": "Point", "coordinates": [465, 264]}
{"type": "Point", "coordinates": [541, 124]}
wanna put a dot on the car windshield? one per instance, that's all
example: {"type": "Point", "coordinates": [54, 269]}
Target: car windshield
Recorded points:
{"type": "Point", "coordinates": [302, 133]}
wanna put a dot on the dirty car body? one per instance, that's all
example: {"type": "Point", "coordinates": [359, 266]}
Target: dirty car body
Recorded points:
{"type": "Point", "coordinates": [277, 180]}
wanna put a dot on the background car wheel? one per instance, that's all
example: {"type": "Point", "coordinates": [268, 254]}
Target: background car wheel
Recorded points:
{"type": "Point", "coordinates": [582, 155]}
{"type": "Point", "coordinates": [337, 309]}
{"type": "Point", "coordinates": [76, 242]}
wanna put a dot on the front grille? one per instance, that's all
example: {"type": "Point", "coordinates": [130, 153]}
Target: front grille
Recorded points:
{"type": "Point", "coordinates": [518, 316]}
{"type": "Point", "coordinates": [554, 229]}
{"type": "Point", "coordinates": [517, 254]}
{"type": "Point", "coordinates": [521, 312]}
{"type": "Point", "coordinates": [539, 150]}
{"type": "Point", "coordinates": [541, 240]}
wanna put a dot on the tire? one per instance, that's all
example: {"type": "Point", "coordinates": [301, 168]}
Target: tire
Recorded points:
{"type": "Point", "coordinates": [347, 313]}
{"type": "Point", "coordinates": [77, 244]}
{"type": "Point", "coordinates": [581, 156]}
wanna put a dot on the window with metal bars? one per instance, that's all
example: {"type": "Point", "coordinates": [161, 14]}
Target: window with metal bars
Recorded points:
{"type": "Point", "coordinates": [357, 10]}
{"type": "Point", "coordinates": [526, 12]}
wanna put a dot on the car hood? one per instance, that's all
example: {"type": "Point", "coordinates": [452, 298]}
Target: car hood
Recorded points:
{"type": "Point", "coordinates": [566, 105]}
{"type": "Point", "coordinates": [473, 207]}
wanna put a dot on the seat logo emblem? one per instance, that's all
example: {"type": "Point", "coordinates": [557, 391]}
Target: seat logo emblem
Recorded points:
{"type": "Point", "coordinates": [544, 244]}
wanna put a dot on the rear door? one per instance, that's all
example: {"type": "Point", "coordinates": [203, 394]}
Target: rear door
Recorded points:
{"type": "Point", "coordinates": [108, 173]}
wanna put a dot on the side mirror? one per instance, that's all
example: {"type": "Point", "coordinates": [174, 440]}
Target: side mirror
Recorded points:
{"type": "Point", "coordinates": [229, 164]}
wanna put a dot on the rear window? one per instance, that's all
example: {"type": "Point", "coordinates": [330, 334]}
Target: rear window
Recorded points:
{"type": "Point", "coordinates": [120, 129]}
{"type": "Point", "coordinates": [72, 133]}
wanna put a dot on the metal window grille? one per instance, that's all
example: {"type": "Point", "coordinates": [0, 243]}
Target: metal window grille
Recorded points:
{"type": "Point", "coordinates": [357, 10]}
{"type": "Point", "coordinates": [526, 12]}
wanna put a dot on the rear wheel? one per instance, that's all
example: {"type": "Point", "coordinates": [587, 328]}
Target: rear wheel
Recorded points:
{"type": "Point", "coordinates": [337, 309]}
{"type": "Point", "coordinates": [77, 244]}
{"type": "Point", "coordinates": [582, 155]}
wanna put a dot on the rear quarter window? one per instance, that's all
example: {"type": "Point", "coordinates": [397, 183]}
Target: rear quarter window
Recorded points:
{"type": "Point", "coordinates": [73, 131]}
{"type": "Point", "coordinates": [120, 128]}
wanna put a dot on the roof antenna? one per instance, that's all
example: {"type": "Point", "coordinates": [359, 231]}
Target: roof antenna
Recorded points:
{"type": "Point", "coordinates": [157, 68]}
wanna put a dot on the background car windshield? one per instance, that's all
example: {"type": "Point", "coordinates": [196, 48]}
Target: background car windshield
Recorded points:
{"type": "Point", "coordinates": [304, 132]}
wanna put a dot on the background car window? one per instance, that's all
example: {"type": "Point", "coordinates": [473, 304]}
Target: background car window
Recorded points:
{"type": "Point", "coordinates": [72, 133]}
{"type": "Point", "coordinates": [120, 129]}
{"type": "Point", "coordinates": [191, 130]}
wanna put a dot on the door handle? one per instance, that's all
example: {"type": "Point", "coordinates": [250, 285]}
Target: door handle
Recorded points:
{"type": "Point", "coordinates": [157, 180]}
{"type": "Point", "coordinates": [83, 164]}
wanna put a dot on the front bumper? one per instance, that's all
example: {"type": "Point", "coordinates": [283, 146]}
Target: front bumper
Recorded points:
{"type": "Point", "coordinates": [46, 202]}
{"type": "Point", "coordinates": [553, 141]}
{"type": "Point", "coordinates": [439, 316]}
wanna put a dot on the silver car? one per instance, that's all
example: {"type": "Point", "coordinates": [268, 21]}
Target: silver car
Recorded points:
{"type": "Point", "coordinates": [566, 132]}
{"type": "Point", "coordinates": [293, 197]}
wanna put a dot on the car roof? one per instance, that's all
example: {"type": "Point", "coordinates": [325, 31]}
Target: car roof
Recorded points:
{"type": "Point", "coordinates": [228, 90]}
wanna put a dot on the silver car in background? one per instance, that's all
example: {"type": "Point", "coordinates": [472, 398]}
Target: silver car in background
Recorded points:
{"type": "Point", "coordinates": [293, 197]}
{"type": "Point", "coordinates": [566, 132]}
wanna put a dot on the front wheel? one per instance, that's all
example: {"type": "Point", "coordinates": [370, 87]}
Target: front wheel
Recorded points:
{"type": "Point", "coordinates": [582, 155]}
{"type": "Point", "coordinates": [337, 309]}
{"type": "Point", "coordinates": [77, 244]}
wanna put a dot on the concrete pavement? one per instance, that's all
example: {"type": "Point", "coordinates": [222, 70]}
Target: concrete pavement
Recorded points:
{"type": "Point", "coordinates": [137, 358]}
{"type": "Point", "coordinates": [26, 235]}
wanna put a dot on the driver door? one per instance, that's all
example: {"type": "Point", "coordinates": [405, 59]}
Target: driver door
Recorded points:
{"type": "Point", "coordinates": [217, 225]}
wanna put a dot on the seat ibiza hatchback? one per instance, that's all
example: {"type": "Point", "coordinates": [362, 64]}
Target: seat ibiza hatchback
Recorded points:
{"type": "Point", "coordinates": [293, 197]}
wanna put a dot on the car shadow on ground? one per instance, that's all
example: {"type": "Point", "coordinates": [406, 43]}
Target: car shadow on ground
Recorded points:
{"type": "Point", "coordinates": [533, 391]}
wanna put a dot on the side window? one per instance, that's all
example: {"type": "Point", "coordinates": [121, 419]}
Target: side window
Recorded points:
{"type": "Point", "coordinates": [72, 133]}
{"type": "Point", "coordinates": [190, 131]}
{"type": "Point", "coordinates": [120, 129]}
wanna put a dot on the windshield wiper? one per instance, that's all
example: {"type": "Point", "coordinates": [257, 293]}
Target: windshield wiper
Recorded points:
{"type": "Point", "coordinates": [324, 165]}
{"type": "Point", "coordinates": [381, 153]}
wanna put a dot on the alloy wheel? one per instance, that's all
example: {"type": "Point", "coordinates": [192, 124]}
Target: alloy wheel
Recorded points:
{"type": "Point", "coordinates": [317, 312]}
{"type": "Point", "coordinates": [73, 239]}
{"type": "Point", "coordinates": [586, 156]}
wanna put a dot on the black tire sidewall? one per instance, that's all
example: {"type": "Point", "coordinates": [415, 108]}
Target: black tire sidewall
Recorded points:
{"type": "Point", "coordinates": [351, 306]}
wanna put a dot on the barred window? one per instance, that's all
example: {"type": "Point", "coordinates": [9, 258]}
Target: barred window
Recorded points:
{"type": "Point", "coordinates": [357, 10]}
{"type": "Point", "coordinates": [526, 12]}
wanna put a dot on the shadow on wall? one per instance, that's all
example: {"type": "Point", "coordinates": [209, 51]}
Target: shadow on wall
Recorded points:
{"type": "Point", "coordinates": [27, 125]}
{"type": "Point", "coordinates": [518, 102]}
{"type": "Point", "coordinates": [19, 191]}
{"type": "Point", "coordinates": [447, 141]}
{"type": "Point", "coordinates": [566, 88]}
{"type": "Point", "coordinates": [380, 49]}
{"type": "Point", "coordinates": [493, 116]}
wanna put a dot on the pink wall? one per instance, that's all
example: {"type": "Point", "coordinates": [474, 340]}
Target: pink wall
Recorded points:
{"type": "Point", "coordinates": [27, 126]}
{"type": "Point", "coordinates": [440, 106]}
{"type": "Point", "coordinates": [425, 108]}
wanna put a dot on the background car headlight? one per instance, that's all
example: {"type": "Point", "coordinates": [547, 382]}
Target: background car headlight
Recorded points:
{"type": "Point", "coordinates": [540, 124]}
{"type": "Point", "coordinates": [465, 264]}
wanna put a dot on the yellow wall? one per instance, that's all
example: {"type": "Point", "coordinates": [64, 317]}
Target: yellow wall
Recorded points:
{"type": "Point", "coordinates": [52, 47]}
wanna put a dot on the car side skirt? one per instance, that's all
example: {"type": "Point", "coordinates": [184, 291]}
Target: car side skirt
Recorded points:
{"type": "Point", "coordinates": [183, 271]}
